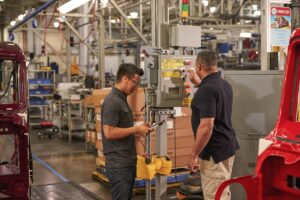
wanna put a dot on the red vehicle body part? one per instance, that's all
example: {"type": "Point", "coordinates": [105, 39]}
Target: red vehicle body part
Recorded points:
{"type": "Point", "coordinates": [277, 173]}
{"type": "Point", "coordinates": [14, 172]}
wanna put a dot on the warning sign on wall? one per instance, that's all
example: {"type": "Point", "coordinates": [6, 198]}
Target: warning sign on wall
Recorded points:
{"type": "Point", "coordinates": [280, 26]}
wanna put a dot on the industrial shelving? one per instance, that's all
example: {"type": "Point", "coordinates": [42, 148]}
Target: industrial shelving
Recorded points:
{"type": "Point", "coordinates": [70, 116]}
{"type": "Point", "coordinates": [41, 84]}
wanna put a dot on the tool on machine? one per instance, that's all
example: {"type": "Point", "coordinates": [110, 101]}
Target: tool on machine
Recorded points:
{"type": "Point", "coordinates": [155, 125]}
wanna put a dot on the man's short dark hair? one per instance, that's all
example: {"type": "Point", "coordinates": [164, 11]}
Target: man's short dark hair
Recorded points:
{"type": "Point", "coordinates": [208, 58]}
{"type": "Point", "coordinates": [129, 70]}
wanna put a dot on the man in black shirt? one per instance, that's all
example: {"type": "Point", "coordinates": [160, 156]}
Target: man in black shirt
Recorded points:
{"type": "Point", "coordinates": [215, 140]}
{"type": "Point", "coordinates": [118, 132]}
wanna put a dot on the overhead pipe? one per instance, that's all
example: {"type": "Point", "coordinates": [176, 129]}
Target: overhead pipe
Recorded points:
{"type": "Point", "coordinates": [43, 7]}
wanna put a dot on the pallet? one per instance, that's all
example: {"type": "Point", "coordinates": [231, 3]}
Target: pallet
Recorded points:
{"type": "Point", "coordinates": [173, 180]}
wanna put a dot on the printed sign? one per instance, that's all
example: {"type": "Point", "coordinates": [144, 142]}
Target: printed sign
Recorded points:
{"type": "Point", "coordinates": [280, 26]}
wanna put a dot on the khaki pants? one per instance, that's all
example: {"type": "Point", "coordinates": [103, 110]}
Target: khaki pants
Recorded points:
{"type": "Point", "coordinates": [212, 175]}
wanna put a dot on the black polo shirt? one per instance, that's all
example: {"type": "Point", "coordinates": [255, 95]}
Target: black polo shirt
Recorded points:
{"type": "Point", "coordinates": [214, 99]}
{"type": "Point", "coordinates": [116, 112]}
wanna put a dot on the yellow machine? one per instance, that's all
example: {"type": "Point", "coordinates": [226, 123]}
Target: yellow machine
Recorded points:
{"type": "Point", "coordinates": [158, 165]}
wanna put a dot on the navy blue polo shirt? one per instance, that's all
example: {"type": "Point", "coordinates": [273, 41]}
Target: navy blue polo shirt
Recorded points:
{"type": "Point", "coordinates": [213, 99]}
{"type": "Point", "coordinates": [116, 112]}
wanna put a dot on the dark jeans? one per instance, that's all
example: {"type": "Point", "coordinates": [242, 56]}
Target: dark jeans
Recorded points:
{"type": "Point", "coordinates": [122, 181]}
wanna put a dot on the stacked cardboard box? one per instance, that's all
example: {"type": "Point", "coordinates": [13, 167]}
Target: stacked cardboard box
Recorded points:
{"type": "Point", "coordinates": [95, 100]}
{"type": "Point", "coordinates": [180, 137]}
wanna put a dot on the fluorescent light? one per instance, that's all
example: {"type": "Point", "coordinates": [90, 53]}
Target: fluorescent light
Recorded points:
{"type": "Point", "coordinates": [205, 3]}
{"type": "Point", "coordinates": [212, 9]}
{"type": "Point", "coordinates": [56, 24]}
{"type": "Point", "coordinates": [20, 17]}
{"type": "Point", "coordinates": [245, 35]}
{"type": "Point", "coordinates": [12, 23]}
{"type": "Point", "coordinates": [71, 5]}
{"type": "Point", "coordinates": [254, 6]}
{"type": "Point", "coordinates": [104, 2]}
{"type": "Point", "coordinates": [1, 0]}
{"type": "Point", "coordinates": [133, 15]}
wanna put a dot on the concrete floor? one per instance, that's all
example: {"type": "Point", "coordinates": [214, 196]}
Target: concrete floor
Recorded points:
{"type": "Point", "coordinates": [56, 161]}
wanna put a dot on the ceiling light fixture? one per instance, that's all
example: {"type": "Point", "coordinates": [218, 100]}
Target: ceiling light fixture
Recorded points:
{"type": "Point", "coordinates": [133, 15]}
{"type": "Point", "coordinates": [205, 3]}
{"type": "Point", "coordinates": [56, 24]}
{"type": "Point", "coordinates": [245, 35]}
{"type": "Point", "coordinates": [255, 7]}
{"type": "Point", "coordinates": [104, 3]}
{"type": "Point", "coordinates": [21, 17]}
{"type": "Point", "coordinates": [12, 23]}
{"type": "Point", "coordinates": [213, 9]}
{"type": "Point", "coordinates": [71, 5]}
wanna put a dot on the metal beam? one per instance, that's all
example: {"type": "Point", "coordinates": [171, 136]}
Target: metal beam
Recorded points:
{"type": "Point", "coordinates": [101, 52]}
{"type": "Point", "coordinates": [203, 19]}
{"type": "Point", "coordinates": [133, 5]}
{"type": "Point", "coordinates": [80, 37]}
{"type": "Point", "coordinates": [129, 21]}
{"type": "Point", "coordinates": [66, 15]}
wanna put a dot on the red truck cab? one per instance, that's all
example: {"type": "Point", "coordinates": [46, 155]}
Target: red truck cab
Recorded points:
{"type": "Point", "coordinates": [14, 132]}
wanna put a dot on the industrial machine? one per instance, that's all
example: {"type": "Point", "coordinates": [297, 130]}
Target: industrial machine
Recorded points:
{"type": "Point", "coordinates": [14, 137]}
{"type": "Point", "coordinates": [167, 73]}
{"type": "Point", "coordinates": [277, 174]}
{"type": "Point", "coordinates": [167, 87]}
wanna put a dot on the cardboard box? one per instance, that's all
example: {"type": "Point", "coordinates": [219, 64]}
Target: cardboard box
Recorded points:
{"type": "Point", "coordinates": [186, 111]}
{"type": "Point", "coordinates": [87, 135]}
{"type": "Point", "coordinates": [103, 91]}
{"type": "Point", "coordinates": [98, 109]}
{"type": "Point", "coordinates": [100, 161]}
{"type": "Point", "coordinates": [184, 138]}
{"type": "Point", "coordinates": [88, 100]}
{"type": "Point", "coordinates": [93, 136]}
{"type": "Point", "coordinates": [182, 156]}
{"type": "Point", "coordinates": [99, 145]}
{"type": "Point", "coordinates": [98, 125]}
{"type": "Point", "coordinates": [181, 122]}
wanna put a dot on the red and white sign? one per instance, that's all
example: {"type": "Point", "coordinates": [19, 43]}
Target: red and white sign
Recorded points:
{"type": "Point", "coordinates": [280, 11]}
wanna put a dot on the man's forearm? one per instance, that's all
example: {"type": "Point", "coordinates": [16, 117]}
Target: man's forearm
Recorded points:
{"type": "Point", "coordinates": [112, 133]}
{"type": "Point", "coordinates": [203, 135]}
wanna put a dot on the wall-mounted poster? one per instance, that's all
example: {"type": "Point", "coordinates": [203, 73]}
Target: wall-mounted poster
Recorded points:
{"type": "Point", "coordinates": [280, 26]}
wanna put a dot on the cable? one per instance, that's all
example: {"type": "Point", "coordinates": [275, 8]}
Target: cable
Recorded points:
{"type": "Point", "coordinates": [175, 149]}
{"type": "Point", "coordinates": [144, 146]}
{"type": "Point", "coordinates": [47, 26]}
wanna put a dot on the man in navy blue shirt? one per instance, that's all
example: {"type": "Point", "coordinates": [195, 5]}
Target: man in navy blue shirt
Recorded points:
{"type": "Point", "coordinates": [215, 140]}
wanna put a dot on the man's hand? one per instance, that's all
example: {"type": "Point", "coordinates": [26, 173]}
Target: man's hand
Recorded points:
{"type": "Point", "coordinates": [194, 78]}
{"type": "Point", "coordinates": [143, 129]}
{"type": "Point", "coordinates": [192, 164]}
